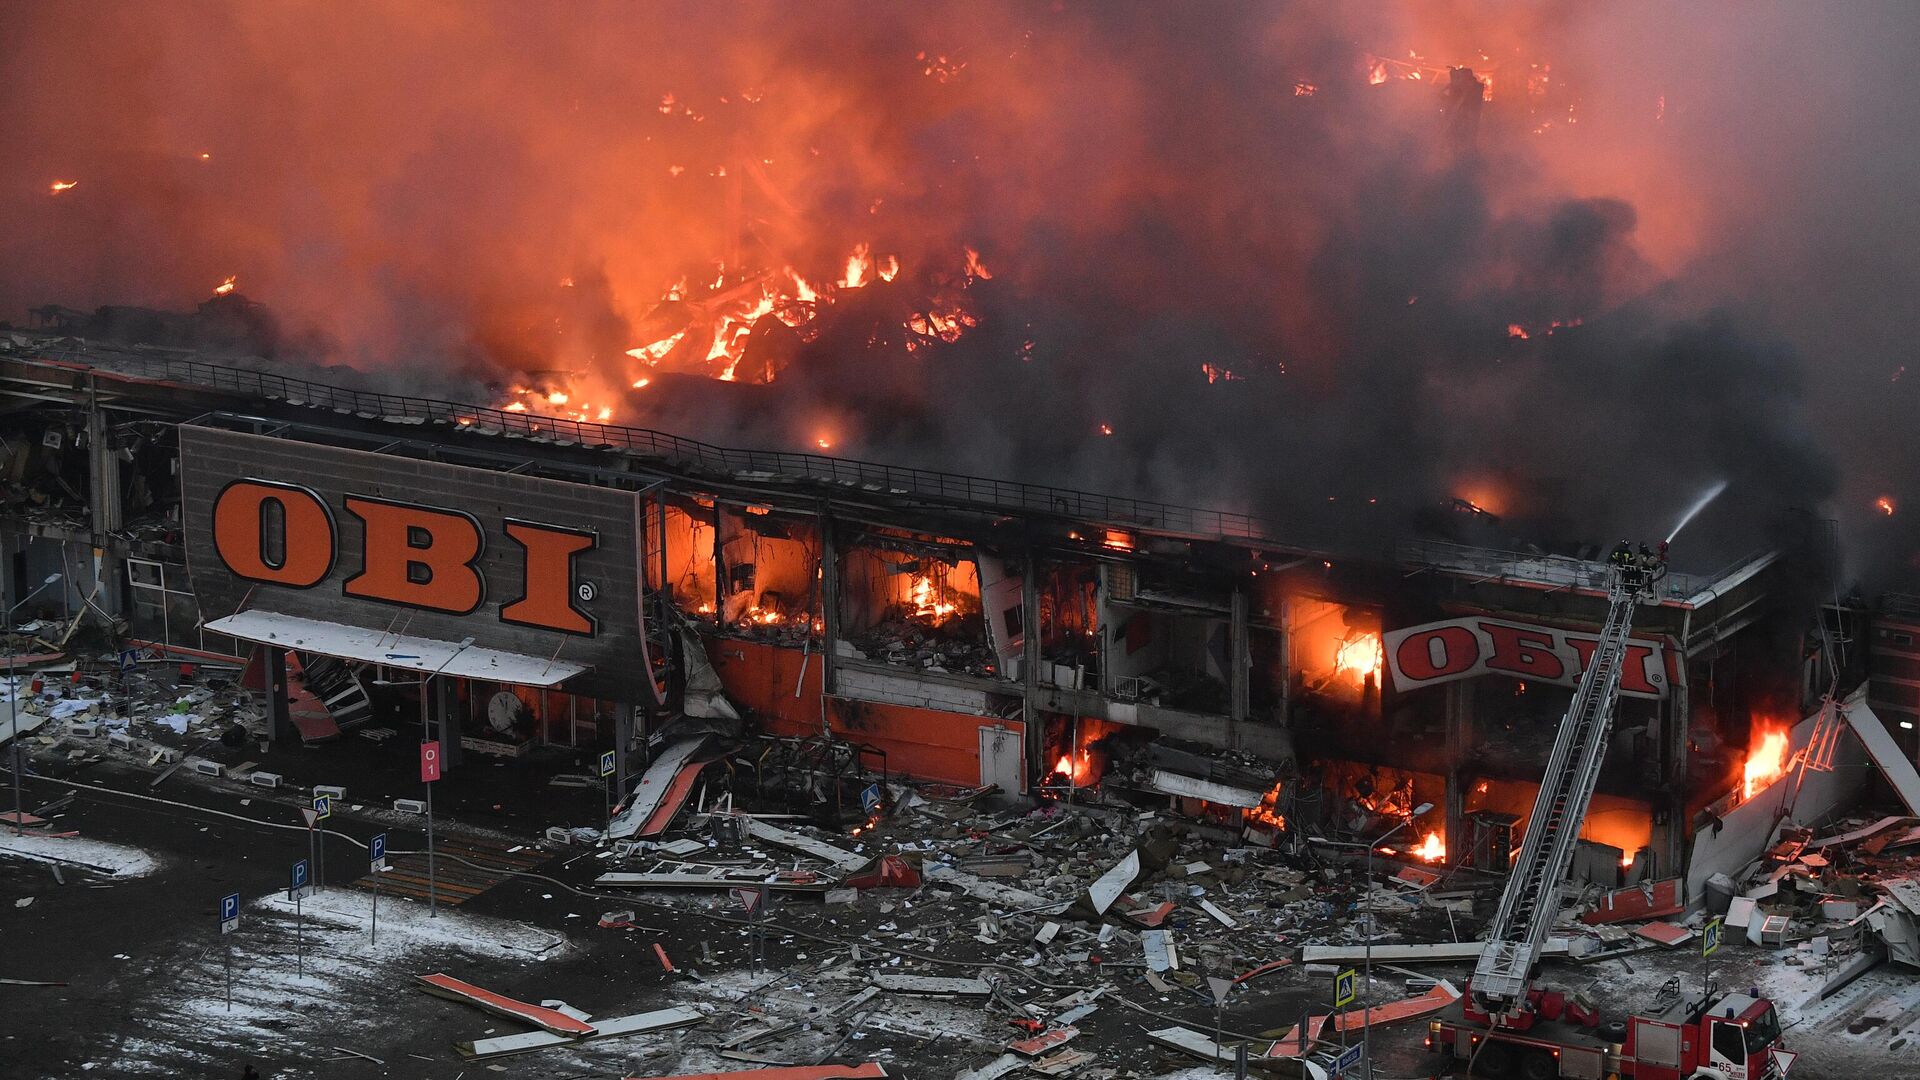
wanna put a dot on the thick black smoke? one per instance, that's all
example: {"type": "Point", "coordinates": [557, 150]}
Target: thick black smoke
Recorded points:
{"type": "Point", "coordinates": [1159, 193]}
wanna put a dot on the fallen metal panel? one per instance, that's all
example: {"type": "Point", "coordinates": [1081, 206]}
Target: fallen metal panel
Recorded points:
{"type": "Point", "coordinates": [1040, 1044]}
{"type": "Point", "coordinates": [870, 1071]}
{"type": "Point", "coordinates": [1063, 1062]}
{"type": "Point", "coordinates": [1860, 833]}
{"type": "Point", "coordinates": [1159, 949]}
{"type": "Point", "coordinates": [1432, 1001]}
{"type": "Point", "coordinates": [1173, 783]}
{"type": "Point", "coordinates": [1885, 753]}
{"type": "Point", "coordinates": [806, 845]}
{"type": "Point", "coordinates": [1665, 933]}
{"type": "Point", "coordinates": [1413, 954]}
{"type": "Point", "coordinates": [23, 723]}
{"type": "Point", "coordinates": [930, 984]}
{"type": "Point", "coordinates": [446, 986]}
{"type": "Point", "coordinates": [527, 1042]}
{"type": "Point", "coordinates": [705, 696]}
{"type": "Point", "coordinates": [673, 800]}
{"type": "Point", "coordinates": [1219, 916]}
{"type": "Point", "coordinates": [620, 879]}
{"type": "Point", "coordinates": [1189, 1041]}
{"type": "Point", "coordinates": [990, 891]}
{"type": "Point", "coordinates": [1108, 886]}
{"type": "Point", "coordinates": [653, 787]}
{"type": "Point", "coordinates": [1637, 903]}
{"type": "Point", "coordinates": [994, 1069]}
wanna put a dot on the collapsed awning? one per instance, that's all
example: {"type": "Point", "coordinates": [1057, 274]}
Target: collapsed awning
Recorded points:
{"type": "Point", "coordinates": [395, 650]}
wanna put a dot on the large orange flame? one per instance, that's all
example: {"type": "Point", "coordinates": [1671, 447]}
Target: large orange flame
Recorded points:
{"type": "Point", "coordinates": [1360, 657]}
{"type": "Point", "coordinates": [1766, 762]}
{"type": "Point", "coordinates": [1268, 812]}
{"type": "Point", "coordinates": [1433, 849]}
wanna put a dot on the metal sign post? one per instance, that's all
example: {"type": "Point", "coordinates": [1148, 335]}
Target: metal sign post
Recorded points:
{"type": "Point", "coordinates": [322, 810]}
{"type": "Point", "coordinates": [429, 772]}
{"type": "Point", "coordinates": [229, 922]}
{"type": "Point", "coordinates": [607, 764]}
{"type": "Point", "coordinates": [297, 890]}
{"type": "Point", "coordinates": [312, 817]}
{"type": "Point", "coordinates": [1709, 944]}
{"type": "Point", "coordinates": [755, 901]}
{"type": "Point", "coordinates": [377, 863]}
{"type": "Point", "coordinates": [1221, 988]}
{"type": "Point", "coordinates": [1345, 989]}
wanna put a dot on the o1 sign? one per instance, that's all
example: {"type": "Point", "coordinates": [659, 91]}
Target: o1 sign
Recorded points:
{"type": "Point", "coordinates": [429, 762]}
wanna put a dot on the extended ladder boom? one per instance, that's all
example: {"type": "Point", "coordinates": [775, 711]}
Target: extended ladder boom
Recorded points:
{"type": "Point", "coordinates": [1527, 907]}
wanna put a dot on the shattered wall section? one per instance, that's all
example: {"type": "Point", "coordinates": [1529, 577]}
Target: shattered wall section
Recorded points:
{"type": "Point", "coordinates": [1727, 838]}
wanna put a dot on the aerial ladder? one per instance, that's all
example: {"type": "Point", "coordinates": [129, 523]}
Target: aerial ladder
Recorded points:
{"type": "Point", "coordinates": [1502, 986]}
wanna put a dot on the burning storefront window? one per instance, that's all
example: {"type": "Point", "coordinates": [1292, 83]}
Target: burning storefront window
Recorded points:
{"type": "Point", "coordinates": [769, 568]}
{"type": "Point", "coordinates": [1612, 821]}
{"type": "Point", "coordinates": [1080, 749]}
{"type": "Point", "coordinates": [914, 604]}
{"type": "Point", "coordinates": [688, 543]}
{"type": "Point", "coordinates": [1070, 626]}
{"type": "Point", "coordinates": [1335, 649]}
{"type": "Point", "coordinates": [1361, 801]}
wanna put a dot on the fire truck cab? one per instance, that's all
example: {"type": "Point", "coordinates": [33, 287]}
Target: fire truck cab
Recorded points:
{"type": "Point", "coordinates": [1737, 1037]}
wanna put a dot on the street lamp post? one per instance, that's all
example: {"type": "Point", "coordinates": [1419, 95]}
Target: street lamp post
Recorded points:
{"type": "Point", "coordinates": [13, 708]}
{"type": "Point", "coordinates": [1366, 1001]}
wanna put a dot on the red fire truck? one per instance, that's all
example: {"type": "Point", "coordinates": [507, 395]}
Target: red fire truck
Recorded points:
{"type": "Point", "coordinates": [1505, 1025]}
{"type": "Point", "coordinates": [1736, 1038]}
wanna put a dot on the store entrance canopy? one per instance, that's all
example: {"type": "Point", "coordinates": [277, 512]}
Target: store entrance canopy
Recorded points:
{"type": "Point", "coordinates": [395, 650]}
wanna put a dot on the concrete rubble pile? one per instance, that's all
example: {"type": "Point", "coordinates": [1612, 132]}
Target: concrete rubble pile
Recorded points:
{"type": "Point", "coordinates": [1047, 936]}
{"type": "Point", "coordinates": [1842, 902]}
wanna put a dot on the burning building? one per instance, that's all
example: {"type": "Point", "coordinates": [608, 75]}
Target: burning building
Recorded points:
{"type": "Point", "coordinates": [964, 631]}
{"type": "Point", "coordinates": [832, 244]}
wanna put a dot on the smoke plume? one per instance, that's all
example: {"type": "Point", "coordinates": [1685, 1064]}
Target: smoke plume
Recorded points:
{"type": "Point", "coordinates": [1285, 260]}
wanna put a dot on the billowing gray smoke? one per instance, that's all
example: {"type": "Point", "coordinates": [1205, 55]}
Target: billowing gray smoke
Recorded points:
{"type": "Point", "coordinates": [1293, 263]}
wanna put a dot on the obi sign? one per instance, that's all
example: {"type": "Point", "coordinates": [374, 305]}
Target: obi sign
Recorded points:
{"type": "Point", "coordinates": [410, 554]}
{"type": "Point", "coordinates": [525, 564]}
{"type": "Point", "coordinates": [1464, 648]}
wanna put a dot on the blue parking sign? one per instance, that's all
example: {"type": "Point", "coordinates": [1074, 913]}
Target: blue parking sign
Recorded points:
{"type": "Point", "coordinates": [377, 851]}
{"type": "Point", "coordinates": [299, 889]}
{"type": "Point", "coordinates": [229, 913]}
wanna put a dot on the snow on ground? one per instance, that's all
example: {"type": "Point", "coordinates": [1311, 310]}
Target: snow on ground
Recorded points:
{"type": "Point", "coordinates": [345, 916]}
{"type": "Point", "coordinates": [116, 859]}
{"type": "Point", "coordinates": [299, 986]}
